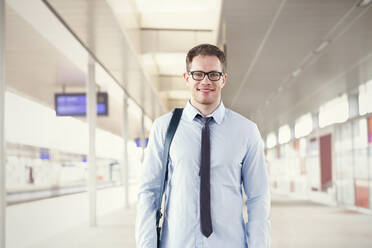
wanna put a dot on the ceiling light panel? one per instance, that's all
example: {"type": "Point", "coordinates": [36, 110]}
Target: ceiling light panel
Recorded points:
{"type": "Point", "coordinates": [323, 45]}
{"type": "Point", "coordinates": [364, 3]}
{"type": "Point", "coordinates": [171, 63]}
{"type": "Point", "coordinates": [184, 14]}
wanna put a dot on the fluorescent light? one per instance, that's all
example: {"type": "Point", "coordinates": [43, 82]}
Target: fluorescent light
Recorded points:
{"type": "Point", "coordinates": [321, 46]}
{"type": "Point", "coordinates": [296, 72]}
{"type": "Point", "coordinates": [364, 3]}
{"type": "Point", "coordinates": [171, 63]}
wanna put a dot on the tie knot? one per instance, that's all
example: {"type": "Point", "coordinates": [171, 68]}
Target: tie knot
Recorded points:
{"type": "Point", "coordinates": [206, 120]}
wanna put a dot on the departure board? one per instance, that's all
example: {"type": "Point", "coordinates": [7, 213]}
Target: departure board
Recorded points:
{"type": "Point", "coordinates": [75, 104]}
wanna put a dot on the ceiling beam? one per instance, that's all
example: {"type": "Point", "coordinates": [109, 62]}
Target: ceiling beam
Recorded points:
{"type": "Point", "coordinates": [176, 29]}
{"type": "Point", "coordinates": [170, 83]}
{"type": "Point", "coordinates": [168, 40]}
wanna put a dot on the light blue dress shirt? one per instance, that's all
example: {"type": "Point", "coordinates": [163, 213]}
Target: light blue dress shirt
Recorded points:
{"type": "Point", "coordinates": [237, 158]}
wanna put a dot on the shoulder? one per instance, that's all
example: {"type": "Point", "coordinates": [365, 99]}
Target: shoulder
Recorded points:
{"type": "Point", "coordinates": [246, 127]}
{"type": "Point", "coordinates": [242, 121]}
{"type": "Point", "coordinates": [163, 120]}
{"type": "Point", "coordinates": [159, 129]}
{"type": "Point", "coordinates": [160, 125]}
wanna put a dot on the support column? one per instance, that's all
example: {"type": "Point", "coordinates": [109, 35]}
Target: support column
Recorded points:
{"type": "Point", "coordinates": [292, 129]}
{"type": "Point", "coordinates": [92, 116]}
{"type": "Point", "coordinates": [125, 170]}
{"type": "Point", "coordinates": [277, 145]}
{"type": "Point", "coordinates": [125, 130]}
{"type": "Point", "coordinates": [143, 145]}
{"type": "Point", "coordinates": [353, 105]}
{"type": "Point", "coordinates": [315, 117]}
{"type": "Point", "coordinates": [2, 124]}
{"type": "Point", "coordinates": [143, 139]}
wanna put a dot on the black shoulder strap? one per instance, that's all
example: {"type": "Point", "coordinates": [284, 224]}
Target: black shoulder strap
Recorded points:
{"type": "Point", "coordinates": [176, 117]}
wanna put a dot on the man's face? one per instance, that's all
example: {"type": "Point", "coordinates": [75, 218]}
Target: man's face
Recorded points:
{"type": "Point", "coordinates": [205, 92]}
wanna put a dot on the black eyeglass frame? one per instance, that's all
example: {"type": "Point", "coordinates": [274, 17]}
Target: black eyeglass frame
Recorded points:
{"type": "Point", "coordinates": [206, 73]}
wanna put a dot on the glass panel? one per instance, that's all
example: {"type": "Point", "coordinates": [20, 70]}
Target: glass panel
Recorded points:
{"type": "Point", "coordinates": [303, 147]}
{"type": "Point", "coordinates": [360, 134]}
{"type": "Point", "coordinates": [271, 140]}
{"type": "Point", "coordinates": [313, 173]}
{"type": "Point", "coordinates": [284, 134]}
{"type": "Point", "coordinates": [312, 148]}
{"type": "Point", "coordinates": [304, 125]}
{"type": "Point", "coordinates": [365, 94]}
{"type": "Point", "coordinates": [346, 187]}
{"type": "Point", "coordinates": [334, 111]}
{"type": "Point", "coordinates": [361, 164]}
{"type": "Point", "coordinates": [346, 137]}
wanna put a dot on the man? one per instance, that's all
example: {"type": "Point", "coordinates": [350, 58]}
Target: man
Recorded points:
{"type": "Point", "coordinates": [213, 153]}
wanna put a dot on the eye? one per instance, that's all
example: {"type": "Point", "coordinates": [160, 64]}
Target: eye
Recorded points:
{"type": "Point", "coordinates": [198, 74]}
{"type": "Point", "coordinates": [214, 74]}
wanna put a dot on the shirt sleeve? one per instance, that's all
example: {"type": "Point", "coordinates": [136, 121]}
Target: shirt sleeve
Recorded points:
{"type": "Point", "coordinates": [256, 187]}
{"type": "Point", "coordinates": [149, 190]}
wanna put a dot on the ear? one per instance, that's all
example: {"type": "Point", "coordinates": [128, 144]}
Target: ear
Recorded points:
{"type": "Point", "coordinates": [186, 76]}
{"type": "Point", "coordinates": [223, 81]}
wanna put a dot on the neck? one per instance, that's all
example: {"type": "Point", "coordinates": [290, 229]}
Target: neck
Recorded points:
{"type": "Point", "coordinates": [205, 109]}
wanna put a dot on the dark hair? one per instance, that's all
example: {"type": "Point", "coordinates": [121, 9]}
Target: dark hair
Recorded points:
{"type": "Point", "coordinates": [205, 50]}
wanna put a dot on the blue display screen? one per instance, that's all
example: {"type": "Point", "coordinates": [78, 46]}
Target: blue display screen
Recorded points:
{"type": "Point", "coordinates": [138, 142]}
{"type": "Point", "coordinates": [74, 104]}
{"type": "Point", "coordinates": [44, 154]}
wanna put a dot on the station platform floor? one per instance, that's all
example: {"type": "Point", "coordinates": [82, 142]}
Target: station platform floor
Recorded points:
{"type": "Point", "coordinates": [114, 230]}
{"type": "Point", "coordinates": [294, 223]}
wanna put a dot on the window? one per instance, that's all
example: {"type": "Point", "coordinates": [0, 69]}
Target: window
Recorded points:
{"type": "Point", "coordinates": [284, 134]}
{"type": "Point", "coordinates": [271, 140]}
{"type": "Point", "coordinates": [302, 147]}
{"type": "Point", "coordinates": [334, 111]}
{"type": "Point", "coordinates": [303, 126]}
{"type": "Point", "coordinates": [365, 93]}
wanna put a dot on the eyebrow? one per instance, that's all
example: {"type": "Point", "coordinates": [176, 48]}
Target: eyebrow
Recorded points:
{"type": "Point", "coordinates": [205, 71]}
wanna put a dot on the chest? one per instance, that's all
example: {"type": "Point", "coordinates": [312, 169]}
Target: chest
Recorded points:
{"type": "Point", "coordinates": [227, 148]}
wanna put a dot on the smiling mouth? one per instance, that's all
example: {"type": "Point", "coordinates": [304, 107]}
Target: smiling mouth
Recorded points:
{"type": "Point", "coordinates": [205, 90]}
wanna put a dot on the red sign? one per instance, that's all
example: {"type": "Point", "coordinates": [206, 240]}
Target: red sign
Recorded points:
{"type": "Point", "coordinates": [361, 193]}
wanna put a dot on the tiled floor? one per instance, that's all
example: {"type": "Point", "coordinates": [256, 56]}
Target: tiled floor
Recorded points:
{"type": "Point", "coordinates": [302, 224]}
{"type": "Point", "coordinates": [294, 224]}
{"type": "Point", "coordinates": [114, 230]}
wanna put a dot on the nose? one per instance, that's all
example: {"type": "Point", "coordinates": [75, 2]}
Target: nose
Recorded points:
{"type": "Point", "coordinates": [206, 81]}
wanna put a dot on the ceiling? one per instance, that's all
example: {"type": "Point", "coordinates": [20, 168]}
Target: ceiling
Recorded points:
{"type": "Point", "coordinates": [168, 30]}
{"type": "Point", "coordinates": [134, 45]}
{"type": "Point", "coordinates": [42, 58]}
{"type": "Point", "coordinates": [285, 58]}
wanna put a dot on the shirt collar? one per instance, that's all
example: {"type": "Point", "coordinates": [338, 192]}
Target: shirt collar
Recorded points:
{"type": "Point", "coordinates": [190, 112]}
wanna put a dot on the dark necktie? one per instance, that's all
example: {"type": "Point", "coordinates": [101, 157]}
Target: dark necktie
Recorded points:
{"type": "Point", "coordinates": [205, 194]}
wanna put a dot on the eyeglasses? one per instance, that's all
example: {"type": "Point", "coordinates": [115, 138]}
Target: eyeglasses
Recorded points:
{"type": "Point", "coordinates": [200, 75]}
